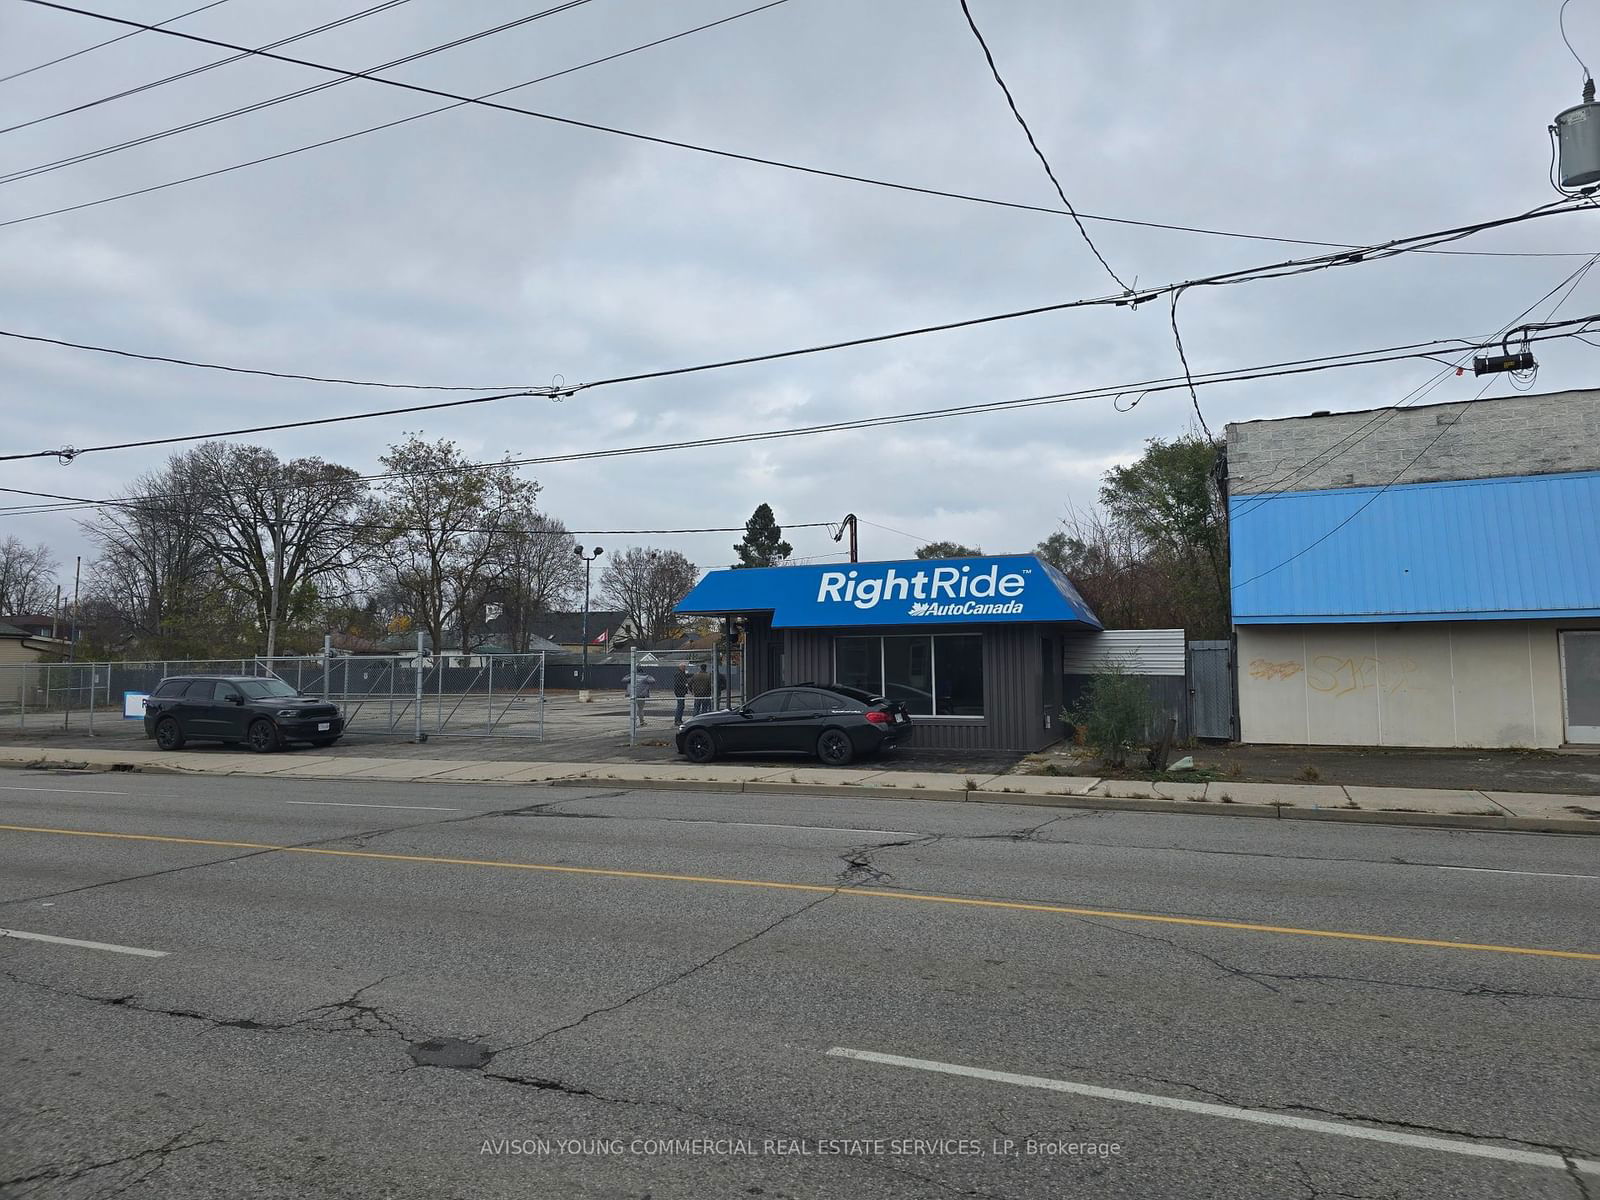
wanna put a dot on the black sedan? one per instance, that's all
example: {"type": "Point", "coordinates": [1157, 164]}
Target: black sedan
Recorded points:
{"type": "Point", "coordinates": [832, 722]}
{"type": "Point", "coordinates": [262, 713]}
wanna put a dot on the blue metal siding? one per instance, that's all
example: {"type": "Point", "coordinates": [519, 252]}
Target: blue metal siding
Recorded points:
{"type": "Point", "coordinates": [1521, 547]}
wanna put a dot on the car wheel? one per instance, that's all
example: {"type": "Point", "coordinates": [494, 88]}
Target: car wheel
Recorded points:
{"type": "Point", "coordinates": [835, 748]}
{"type": "Point", "coordinates": [699, 746]}
{"type": "Point", "coordinates": [169, 735]}
{"type": "Point", "coordinates": [264, 737]}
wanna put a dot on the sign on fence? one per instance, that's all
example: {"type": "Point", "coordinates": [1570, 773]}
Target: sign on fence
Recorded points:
{"type": "Point", "coordinates": [133, 705]}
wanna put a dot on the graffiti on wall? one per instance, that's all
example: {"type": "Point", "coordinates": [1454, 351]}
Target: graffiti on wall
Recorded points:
{"type": "Point", "coordinates": [1266, 668]}
{"type": "Point", "coordinates": [1336, 676]}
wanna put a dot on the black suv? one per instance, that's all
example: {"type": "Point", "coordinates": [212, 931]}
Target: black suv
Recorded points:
{"type": "Point", "coordinates": [833, 722]}
{"type": "Point", "coordinates": [265, 713]}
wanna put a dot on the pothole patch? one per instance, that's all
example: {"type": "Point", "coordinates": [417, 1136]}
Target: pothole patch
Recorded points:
{"type": "Point", "coordinates": [452, 1053]}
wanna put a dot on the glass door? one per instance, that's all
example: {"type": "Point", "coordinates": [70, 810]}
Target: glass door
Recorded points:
{"type": "Point", "coordinates": [1580, 684]}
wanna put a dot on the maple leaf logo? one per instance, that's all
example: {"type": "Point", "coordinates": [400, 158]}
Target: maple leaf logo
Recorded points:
{"type": "Point", "coordinates": [919, 609]}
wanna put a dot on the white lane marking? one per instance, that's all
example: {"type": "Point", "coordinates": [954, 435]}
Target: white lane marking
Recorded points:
{"type": "Point", "coordinates": [6, 787]}
{"type": "Point", "coordinates": [65, 941]}
{"type": "Point", "coordinates": [1531, 1158]}
{"type": "Point", "coordinates": [1508, 871]}
{"type": "Point", "coordinates": [344, 804]}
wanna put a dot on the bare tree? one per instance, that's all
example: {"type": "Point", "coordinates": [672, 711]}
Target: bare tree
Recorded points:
{"type": "Point", "coordinates": [279, 530]}
{"type": "Point", "coordinates": [647, 585]}
{"type": "Point", "coordinates": [154, 567]}
{"type": "Point", "coordinates": [538, 574]}
{"type": "Point", "coordinates": [443, 531]}
{"type": "Point", "coordinates": [27, 577]}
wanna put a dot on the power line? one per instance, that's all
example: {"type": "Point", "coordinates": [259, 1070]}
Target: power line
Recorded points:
{"type": "Point", "coordinates": [1432, 442]}
{"type": "Point", "coordinates": [1038, 153]}
{"type": "Point", "coordinates": [779, 164]}
{"type": "Point", "coordinates": [1183, 357]}
{"type": "Point", "coordinates": [109, 41]}
{"type": "Point", "coordinates": [1269, 271]}
{"type": "Point", "coordinates": [901, 532]}
{"type": "Point", "coordinates": [1269, 371]}
{"type": "Point", "coordinates": [102, 152]}
{"type": "Point", "coordinates": [236, 370]}
{"type": "Point", "coordinates": [67, 453]}
{"type": "Point", "coordinates": [1381, 418]}
{"type": "Point", "coordinates": [143, 191]}
{"type": "Point", "coordinates": [203, 68]}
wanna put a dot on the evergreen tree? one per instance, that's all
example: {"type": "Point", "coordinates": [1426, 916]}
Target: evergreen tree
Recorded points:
{"type": "Point", "coordinates": [763, 544]}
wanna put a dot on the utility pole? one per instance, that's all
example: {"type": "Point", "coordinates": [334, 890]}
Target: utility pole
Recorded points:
{"type": "Point", "coordinates": [72, 647]}
{"type": "Point", "coordinates": [55, 617]}
{"type": "Point", "coordinates": [588, 562]}
{"type": "Point", "coordinates": [849, 523]}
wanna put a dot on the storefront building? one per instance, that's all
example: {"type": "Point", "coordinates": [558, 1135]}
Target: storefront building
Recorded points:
{"type": "Point", "coordinates": [972, 646]}
{"type": "Point", "coordinates": [1426, 576]}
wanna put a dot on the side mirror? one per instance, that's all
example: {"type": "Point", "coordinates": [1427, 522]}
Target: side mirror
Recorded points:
{"type": "Point", "coordinates": [235, 698]}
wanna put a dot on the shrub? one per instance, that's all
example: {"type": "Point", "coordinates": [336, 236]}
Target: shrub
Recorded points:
{"type": "Point", "coordinates": [1113, 714]}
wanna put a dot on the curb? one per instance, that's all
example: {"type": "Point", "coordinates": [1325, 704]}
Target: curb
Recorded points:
{"type": "Point", "coordinates": [1282, 812]}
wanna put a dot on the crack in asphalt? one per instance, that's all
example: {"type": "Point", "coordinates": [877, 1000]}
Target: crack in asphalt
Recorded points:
{"type": "Point", "coordinates": [1566, 1153]}
{"type": "Point", "coordinates": [359, 838]}
{"type": "Point", "coordinates": [677, 977]}
{"type": "Point", "coordinates": [60, 1174]}
{"type": "Point", "coordinates": [1476, 991]}
{"type": "Point", "coordinates": [858, 862]}
{"type": "Point", "coordinates": [1236, 972]}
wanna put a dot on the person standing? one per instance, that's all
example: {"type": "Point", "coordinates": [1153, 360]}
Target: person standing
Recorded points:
{"type": "Point", "coordinates": [700, 689]}
{"type": "Point", "coordinates": [680, 689]}
{"type": "Point", "coordinates": [638, 690]}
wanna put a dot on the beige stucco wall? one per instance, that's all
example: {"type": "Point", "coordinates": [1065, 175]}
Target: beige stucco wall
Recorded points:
{"type": "Point", "coordinates": [1462, 683]}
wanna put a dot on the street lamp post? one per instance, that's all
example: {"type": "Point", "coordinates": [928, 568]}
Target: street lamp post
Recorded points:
{"type": "Point", "coordinates": [588, 562]}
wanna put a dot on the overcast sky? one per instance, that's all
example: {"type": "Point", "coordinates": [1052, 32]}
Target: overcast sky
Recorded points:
{"type": "Point", "coordinates": [484, 247]}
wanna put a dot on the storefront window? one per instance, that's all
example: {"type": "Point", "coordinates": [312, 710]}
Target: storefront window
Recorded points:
{"type": "Point", "coordinates": [958, 666]}
{"type": "Point", "coordinates": [941, 674]}
{"type": "Point", "coordinates": [858, 663]}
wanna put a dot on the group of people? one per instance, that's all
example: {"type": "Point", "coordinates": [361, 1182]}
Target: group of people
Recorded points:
{"type": "Point", "coordinates": [686, 686]}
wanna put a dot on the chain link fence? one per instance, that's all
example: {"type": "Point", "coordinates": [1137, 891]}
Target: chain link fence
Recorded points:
{"type": "Point", "coordinates": [413, 695]}
{"type": "Point", "coordinates": [625, 698]}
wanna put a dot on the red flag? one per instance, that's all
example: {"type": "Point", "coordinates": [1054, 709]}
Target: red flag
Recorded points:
{"type": "Point", "coordinates": [604, 634]}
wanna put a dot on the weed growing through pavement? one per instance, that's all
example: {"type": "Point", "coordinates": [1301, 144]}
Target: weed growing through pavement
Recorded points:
{"type": "Point", "coordinates": [1310, 772]}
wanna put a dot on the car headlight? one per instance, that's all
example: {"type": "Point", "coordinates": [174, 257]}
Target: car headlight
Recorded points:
{"type": "Point", "coordinates": [288, 712]}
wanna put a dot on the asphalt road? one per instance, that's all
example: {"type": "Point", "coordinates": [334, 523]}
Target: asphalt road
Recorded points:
{"type": "Point", "coordinates": [467, 991]}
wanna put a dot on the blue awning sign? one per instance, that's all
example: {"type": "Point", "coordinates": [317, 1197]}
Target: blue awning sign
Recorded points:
{"type": "Point", "coordinates": [1011, 588]}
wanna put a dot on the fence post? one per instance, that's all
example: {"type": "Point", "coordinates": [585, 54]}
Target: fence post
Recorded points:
{"type": "Point", "coordinates": [542, 660]}
{"type": "Point", "coordinates": [488, 717]}
{"type": "Point", "coordinates": [22, 699]}
{"type": "Point", "coordinates": [419, 736]}
{"type": "Point", "coordinates": [631, 692]}
{"type": "Point", "coordinates": [716, 677]}
{"type": "Point", "coordinates": [66, 702]}
{"type": "Point", "coordinates": [438, 691]}
{"type": "Point", "coordinates": [93, 684]}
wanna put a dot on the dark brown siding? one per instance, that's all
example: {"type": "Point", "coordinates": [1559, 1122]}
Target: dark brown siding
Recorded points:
{"type": "Point", "coordinates": [1013, 684]}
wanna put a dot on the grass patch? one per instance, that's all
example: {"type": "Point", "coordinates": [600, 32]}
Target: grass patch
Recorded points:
{"type": "Point", "coordinates": [1310, 773]}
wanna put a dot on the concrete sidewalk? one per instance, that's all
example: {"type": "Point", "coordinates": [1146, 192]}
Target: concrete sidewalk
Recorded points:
{"type": "Point", "coordinates": [1467, 809]}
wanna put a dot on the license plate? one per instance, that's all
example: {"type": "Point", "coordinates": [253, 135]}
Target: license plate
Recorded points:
{"type": "Point", "coordinates": [323, 727]}
{"type": "Point", "coordinates": [899, 718]}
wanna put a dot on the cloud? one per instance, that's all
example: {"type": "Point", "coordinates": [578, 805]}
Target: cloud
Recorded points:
{"type": "Point", "coordinates": [483, 247]}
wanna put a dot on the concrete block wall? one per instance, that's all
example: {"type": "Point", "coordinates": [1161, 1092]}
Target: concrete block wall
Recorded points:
{"type": "Point", "coordinates": [1508, 435]}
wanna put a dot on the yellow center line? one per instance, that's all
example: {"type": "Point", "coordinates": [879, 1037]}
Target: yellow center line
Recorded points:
{"type": "Point", "coordinates": [774, 885]}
